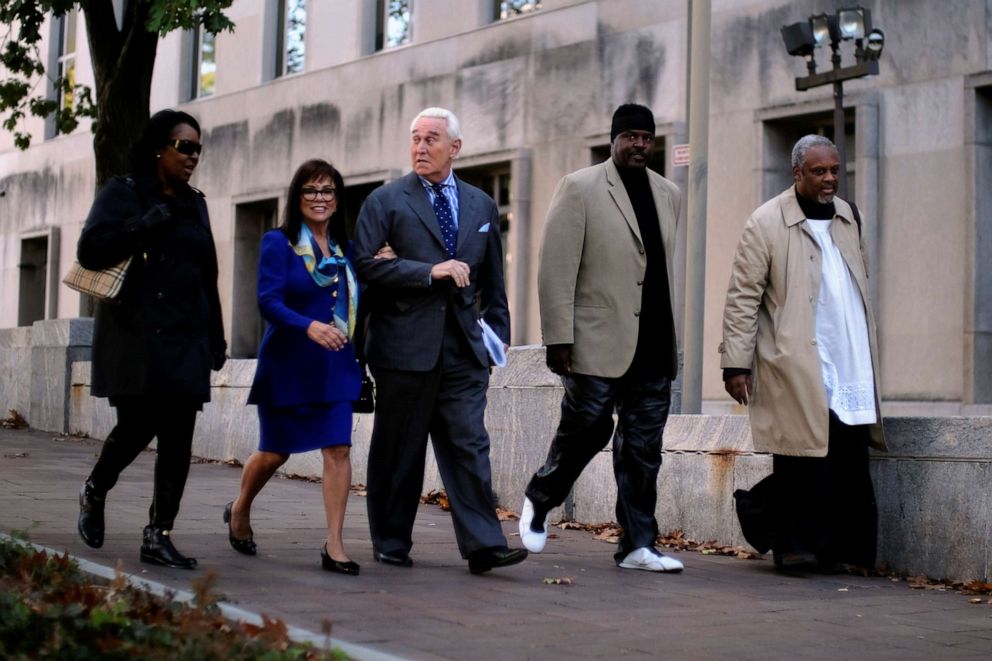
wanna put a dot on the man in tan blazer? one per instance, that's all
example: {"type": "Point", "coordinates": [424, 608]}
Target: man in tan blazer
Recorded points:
{"type": "Point", "coordinates": [606, 318]}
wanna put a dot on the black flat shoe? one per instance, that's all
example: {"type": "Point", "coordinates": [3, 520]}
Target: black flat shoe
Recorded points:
{"type": "Point", "coordinates": [348, 567]}
{"type": "Point", "coordinates": [394, 558]}
{"type": "Point", "coordinates": [91, 521]}
{"type": "Point", "coordinates": [246, 546]}
{"type": "Point", "coordinates": [492, 558]}
{"type": "Point", "coordinates": [157, 549]}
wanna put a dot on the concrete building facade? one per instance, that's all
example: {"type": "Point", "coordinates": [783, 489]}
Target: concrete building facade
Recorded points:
{"type": "Point", "coordinates": [535, 91]}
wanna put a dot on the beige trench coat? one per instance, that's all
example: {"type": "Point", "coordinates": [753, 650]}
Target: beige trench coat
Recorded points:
{"type": "Point", "coordinates": [769, 324]}
{"type": "Point", "coordinates": [592, 267]}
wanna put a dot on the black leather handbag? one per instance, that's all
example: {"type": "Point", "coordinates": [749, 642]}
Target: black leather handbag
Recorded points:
{"type": "Point", "coordinates": [756, 513]}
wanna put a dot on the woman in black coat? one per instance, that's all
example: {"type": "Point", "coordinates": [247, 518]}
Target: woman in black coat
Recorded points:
{"type": "Point", "coordinates": [154, 347]}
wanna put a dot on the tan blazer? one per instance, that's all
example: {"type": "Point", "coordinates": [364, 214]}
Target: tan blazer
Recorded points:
{"type": "Point", "coordinates": [592, 267]}
{"type": "Point", "coordinates": [769, 324]}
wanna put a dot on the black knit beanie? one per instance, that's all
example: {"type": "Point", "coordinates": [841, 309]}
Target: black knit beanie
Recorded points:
{"type": "Point", "coordinates": [631, 117]}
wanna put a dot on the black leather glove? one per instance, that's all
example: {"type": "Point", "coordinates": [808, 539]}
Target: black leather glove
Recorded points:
{"type": "Point", "coordinates": [559, 358]}
{"type": "Point", "coordinates": [154, 217]}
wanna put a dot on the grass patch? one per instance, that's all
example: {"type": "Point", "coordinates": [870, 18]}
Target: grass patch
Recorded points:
{"type": "Point", "coordinates": [51, 609]}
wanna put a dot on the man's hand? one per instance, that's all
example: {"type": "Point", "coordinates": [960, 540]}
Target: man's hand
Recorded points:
{"type": "Point", "coordinates": [559, 358]}
{"type": "Point", "coordinates": [453, 270]}
{"type": "Point", "coordinates": [739, 387]}
{"type": "Point", "coordinates": [326, 335]}
{"type": "Point", "coordinates": [385, 252]}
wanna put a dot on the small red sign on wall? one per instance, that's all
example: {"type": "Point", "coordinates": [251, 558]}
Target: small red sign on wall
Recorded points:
{"type": "Point", "coordinates": [680, 155]}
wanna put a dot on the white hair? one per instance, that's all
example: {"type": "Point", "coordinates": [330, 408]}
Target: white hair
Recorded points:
{"type": "Point", "coordinates": [804, 144]}
{"type": "Point", "coordinates": [450, 121]}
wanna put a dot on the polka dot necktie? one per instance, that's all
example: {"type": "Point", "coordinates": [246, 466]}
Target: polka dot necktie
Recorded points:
{"type": "Point", "coordinates": [445, 220]}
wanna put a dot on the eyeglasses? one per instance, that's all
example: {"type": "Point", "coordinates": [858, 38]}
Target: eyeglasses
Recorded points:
{"type": "Point", "coordinates": [186, 147]}
{"type": "Point", "coordinates": [310, 194]}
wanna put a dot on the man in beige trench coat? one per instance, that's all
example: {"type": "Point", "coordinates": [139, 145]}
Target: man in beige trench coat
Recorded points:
{"type": "Point", "coordinates": [606, 318]}
{"type": "Point", "coordinates": [799, 349]}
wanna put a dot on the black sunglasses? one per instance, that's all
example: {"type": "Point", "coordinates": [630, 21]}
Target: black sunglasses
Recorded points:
{"type": "Point", "coordinates": [186, 147]}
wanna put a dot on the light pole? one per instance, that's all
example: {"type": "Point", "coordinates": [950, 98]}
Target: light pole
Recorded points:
{"type": "Point", "coordinates": [802, 39]}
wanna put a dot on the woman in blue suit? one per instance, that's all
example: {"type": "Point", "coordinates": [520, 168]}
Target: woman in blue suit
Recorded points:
{"type": "Point", "coordinates": [307, 376]}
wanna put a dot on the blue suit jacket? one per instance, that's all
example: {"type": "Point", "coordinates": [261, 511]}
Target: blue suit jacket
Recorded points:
{"type": "Point", "coordinates": [407, 310]}
{"type": "Point", "coordinates": [292, 369]}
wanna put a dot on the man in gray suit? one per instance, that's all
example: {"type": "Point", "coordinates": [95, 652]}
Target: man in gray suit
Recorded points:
{"type": "Point", "coordinates": [606, 317]}
{"type": "Point", "coordinates": [425, 345]}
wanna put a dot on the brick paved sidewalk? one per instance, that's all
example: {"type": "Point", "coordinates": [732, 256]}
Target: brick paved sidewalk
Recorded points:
{"type": "Point", "coordinates": [718, 608]}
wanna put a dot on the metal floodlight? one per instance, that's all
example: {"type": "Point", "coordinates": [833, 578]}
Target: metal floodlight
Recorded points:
{"type": "Point", "coordinates": [825, 29]}
{"type": "Point", "coordinates": [846, 24]}
{"type": "Point", "coordinates": [798, 39]}
{"type": "Point", "coordinates": [875, 42]}
{"type": "Point", "coordinates": [854, 22]}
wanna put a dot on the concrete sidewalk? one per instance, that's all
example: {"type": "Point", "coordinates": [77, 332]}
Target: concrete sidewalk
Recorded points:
{"type": "Point", "coordinates": [718, 608]}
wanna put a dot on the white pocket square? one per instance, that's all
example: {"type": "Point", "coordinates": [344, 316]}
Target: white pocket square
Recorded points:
{"type": "Point", "coordinates": [484, 228]}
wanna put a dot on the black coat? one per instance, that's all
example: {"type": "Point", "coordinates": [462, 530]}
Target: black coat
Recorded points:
{"type": "Point", "coordinates": [165, 332]}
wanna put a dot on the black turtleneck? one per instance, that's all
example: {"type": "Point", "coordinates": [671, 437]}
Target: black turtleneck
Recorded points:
{"type": "Point", "coordinates": [815, 210]}
{"type": "Point", "coordinates": [653, 356]}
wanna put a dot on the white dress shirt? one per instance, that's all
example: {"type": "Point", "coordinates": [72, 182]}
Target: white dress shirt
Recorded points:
{"type": "Point", "coordinates": [842, 335]}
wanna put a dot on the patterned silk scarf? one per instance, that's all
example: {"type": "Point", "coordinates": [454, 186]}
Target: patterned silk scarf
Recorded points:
{"type": "Point", "coordinates": [326, 273]}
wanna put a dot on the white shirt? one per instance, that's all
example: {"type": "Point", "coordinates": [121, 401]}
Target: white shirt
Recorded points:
{"type": "Point", "coordinates": [842, 335]}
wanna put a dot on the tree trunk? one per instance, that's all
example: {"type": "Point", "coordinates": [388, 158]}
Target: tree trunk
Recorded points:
{"type": "Point", "coordinates": [123, 62]}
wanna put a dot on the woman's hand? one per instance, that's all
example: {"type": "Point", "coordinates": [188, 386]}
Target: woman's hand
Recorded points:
{"type": "Point", "coordinates": [386, 252]}
{"type": "Point", "coordinates": [326, 335]}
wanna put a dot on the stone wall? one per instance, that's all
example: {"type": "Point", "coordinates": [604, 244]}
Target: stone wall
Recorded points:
{"type": "Point", "coordinates": [934, 487]}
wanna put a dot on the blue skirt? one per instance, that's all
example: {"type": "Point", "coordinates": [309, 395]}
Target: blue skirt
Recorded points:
{"type": "Point", "coordinates": [302, 428]}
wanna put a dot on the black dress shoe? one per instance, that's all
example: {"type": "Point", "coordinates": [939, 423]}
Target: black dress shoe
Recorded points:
{"type": "Point", "coordinates": [498, 556]}
{"type": "Point", "coordinates": [794, 560]}
{"type": "Point", "coordinates": [91, 521]}
{"type": "Point", "coordinates": [828, 567]}
{"type": "Point", "coordinates": [349, 567]}
{"type": "Point", "coordinates": [247, 545]}
{"type": "Point", "coordinates": [395, 558]}
{"type": "Point", "coordinates": [157, 549]}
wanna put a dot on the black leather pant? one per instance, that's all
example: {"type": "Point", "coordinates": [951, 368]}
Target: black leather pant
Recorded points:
{"type": "Point", "coordinates": [586, 425]}
{"type": "Point", "coordinates": [139, 420]}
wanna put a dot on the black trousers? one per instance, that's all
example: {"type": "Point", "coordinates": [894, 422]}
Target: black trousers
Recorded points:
{"type": "Point", "coordinates": [139, 420]}
{"type": "Point", "coordinates": [826, 505]}
{"type": "Point", "coordinates": [586, 425]}
{"type": "Point", "coordinates": [448, 403]}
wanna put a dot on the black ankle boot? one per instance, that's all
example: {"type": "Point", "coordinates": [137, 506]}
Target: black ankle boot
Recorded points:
{"type": "Point", "coordinates": [91, 522]}
{"type": "Point", "coordinates": [157, 549]}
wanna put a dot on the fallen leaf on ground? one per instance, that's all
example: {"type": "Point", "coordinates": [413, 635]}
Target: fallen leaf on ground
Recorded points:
{"type": "Point", "coordinates": [610, 535]}
{"type": "Point", "coordinates": [925, 583]}
{"type": "Point", "coordinates": [977, 587]}
{"type": "Point", "coordinates": [70, 438]}
{"type": "Point", "coordinates": [559, 580]}
{"type": "Point", "coordinates": [439, 498]}
{"type": "Point", "coordinates": [15, 421]}
{"type": "Point", "coordinates": [572, 525]}
{"type": "Point", "coordinates": [504, 514]}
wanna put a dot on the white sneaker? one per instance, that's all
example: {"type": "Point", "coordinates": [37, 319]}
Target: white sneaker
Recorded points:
{"type": "Point", "coordinates": [533, 541]}
{"type": "Point", "coordinates": [649, 559]}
